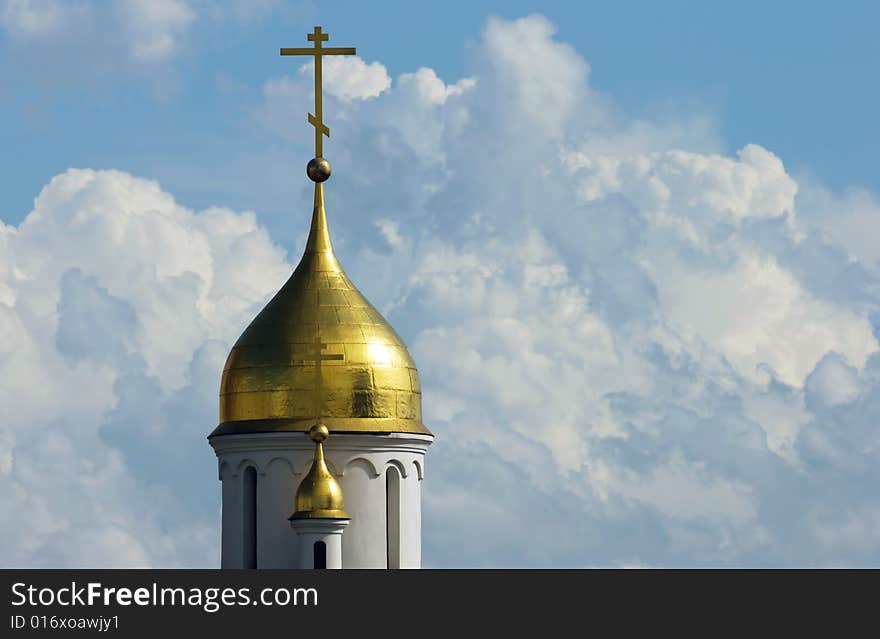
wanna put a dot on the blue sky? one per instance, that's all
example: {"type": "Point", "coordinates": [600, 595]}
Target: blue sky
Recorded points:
{"type": "Point", "coordinates": [796, 76]}
{"type": "Point", "coordinates": [631, 247]}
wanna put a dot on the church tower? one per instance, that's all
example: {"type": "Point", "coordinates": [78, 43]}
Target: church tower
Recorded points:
{"type": "Point", "coordinates": [320, 444]}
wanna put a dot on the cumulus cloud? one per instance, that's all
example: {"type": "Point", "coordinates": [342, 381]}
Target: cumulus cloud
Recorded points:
{"type": "Point", "coordinates": [156, 26]}
{"type": "Point", "coordinates": [349, 77]}
{"type": "Point", "coordinates": [430, 88]}
{"type": "Point", "coordinates": [676, 182]}
{"type": "Point", "coordinates": [634, 345]}
{"type": "Point", "coordinates": [120, 308]}
{"type": "Point", "coordinates": [853, 226]}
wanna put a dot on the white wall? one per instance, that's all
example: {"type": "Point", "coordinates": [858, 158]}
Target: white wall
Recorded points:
{"type": "Point", "coordinates": [277, 547]}
{"type": "Point", "coordinates": [359, 461]}
{"type": "Point", "coordinates": [363, 545]}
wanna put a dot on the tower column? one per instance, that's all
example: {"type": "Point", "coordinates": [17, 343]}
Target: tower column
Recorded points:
{"type": "Point", "coordinates": [312, 534]}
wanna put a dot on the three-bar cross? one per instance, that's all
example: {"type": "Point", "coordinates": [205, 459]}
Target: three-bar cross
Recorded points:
{"type": "Point", "coordinates": [317, 120]}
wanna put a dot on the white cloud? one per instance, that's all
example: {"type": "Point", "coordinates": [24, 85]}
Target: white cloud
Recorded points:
{"type": "Point", "coordinates": [156, 26]}
{"type": "Point", "coordinates": [420, 105]}
{"type": "Point", "coordinates": [757, 315]}
{"type": "Point", "coordinates": [854, 224]}
{"type": "Point", "coordinates": [689, 185]}
{"type": "Point", "coordinates": [350, 78]}
{"type": "Point", "coordinates": [33, 16]}
{"type": "Point", "coordinates": [430, 88]}
{"type": "Point", "coordinates": [542, 81]}
{"type": "Point", "coordinates": [833, 382]}
{"type": "Point", "coordinates": [113, 316]}
{"type": "Point", "coordinates": [145, 30]}
{"type": "Point", "coordinates": [689, 491]}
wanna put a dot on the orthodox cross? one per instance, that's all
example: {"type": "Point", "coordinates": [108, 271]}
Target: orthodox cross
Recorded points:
{"type": "Point", "coordinates": [315, 355]}
{"type": "Point", "coordinates": [319, 52]}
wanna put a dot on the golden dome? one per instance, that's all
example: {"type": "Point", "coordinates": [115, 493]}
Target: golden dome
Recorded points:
{"type": "Point", "coordinates": [319, 495]}
{"type": "Point", "coordinates": [365, 379]}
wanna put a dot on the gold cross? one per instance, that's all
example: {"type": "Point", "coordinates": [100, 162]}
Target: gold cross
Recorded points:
{"type": "Point", "coordinates": [317, 357]}
{"type": "Point", "coordinates": [319, 52]}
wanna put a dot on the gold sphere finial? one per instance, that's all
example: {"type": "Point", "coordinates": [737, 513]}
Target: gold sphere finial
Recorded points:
{"type": "Point", "coordinates": [318, 170]}
{"type": "Point", "coordinates": [319, 433]}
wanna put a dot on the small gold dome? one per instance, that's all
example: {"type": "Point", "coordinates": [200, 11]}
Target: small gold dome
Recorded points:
{"type": "Point", "coordinates": [365, 379]}
{"type": "Point", "coordinates": [319, 495]}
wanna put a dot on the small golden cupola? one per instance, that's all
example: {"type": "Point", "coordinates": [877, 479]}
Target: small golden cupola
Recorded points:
{"type": "Point", "coordinates": [319, 495]}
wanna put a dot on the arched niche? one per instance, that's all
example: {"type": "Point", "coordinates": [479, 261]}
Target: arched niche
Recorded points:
{"type": "Point", "coordinates": [399, 465]}
{"type": "Point", "coordinates": [244, 464]}
{"type": "Point", "coordinates": [393, 480]}
{"type": "Point", "coordinates": [249, 517]}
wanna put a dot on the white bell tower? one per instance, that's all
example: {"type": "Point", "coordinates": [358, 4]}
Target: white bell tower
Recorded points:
{"type": "Point", "coordinates": [380, 479]}
{"type": "Point", "coordinates": [319, 359]}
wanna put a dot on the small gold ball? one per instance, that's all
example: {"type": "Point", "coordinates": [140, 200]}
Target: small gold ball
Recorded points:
{"type": "Point", "coordinates": [319, 433]}
{"type": "Point", "coordinates": [318, 170]}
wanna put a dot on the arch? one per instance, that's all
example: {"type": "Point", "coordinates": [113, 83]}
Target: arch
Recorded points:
{"type": "Point", "coordinates": [222, 470]}
{"type": "Point", "coordinates": [281, 460]}
{"type": "Point", "coordinates": [399, 465]}
{"type": "Point", "coordinates": [244, 463]}
{"type": "Point", "coordinates": [392, 517]}
{"type": "Point", "coordinates": [249, 517]}
{"type": "Point", "coordinates": [319, 555]}
{"type": "Point", "coordinates": [364, 463]}
{"type": "Point", "coordinates": [420, 473]}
